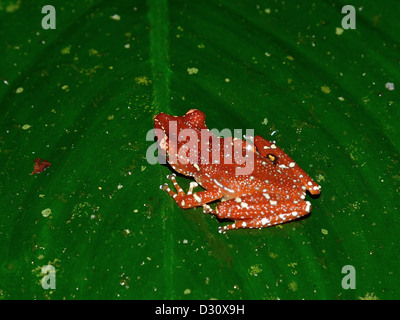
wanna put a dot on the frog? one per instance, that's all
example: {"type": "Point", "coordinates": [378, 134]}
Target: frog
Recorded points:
{"type": "Point", "coordinates": [272, 193]}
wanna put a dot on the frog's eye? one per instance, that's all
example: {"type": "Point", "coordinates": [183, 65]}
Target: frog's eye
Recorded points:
{"type": "Point", "coordinates": [272, 158]}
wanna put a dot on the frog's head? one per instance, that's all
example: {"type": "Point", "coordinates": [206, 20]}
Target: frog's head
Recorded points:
{"type": "Point", "coordinates": [193, 119]}
{"type": "Point", "coordinates": [172, 132]}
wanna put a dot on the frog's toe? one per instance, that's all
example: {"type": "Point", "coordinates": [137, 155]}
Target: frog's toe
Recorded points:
{"type": "Point", "coordinates": [240, 224]}
{"type": "Point", "coordinates": [208, 209]}
{"type": "Point", "coordinates": [165, 187]}
{"type": "Point", "coordinates": [171, 176]}
{"type": "Point", "coordinates": [168, 190]}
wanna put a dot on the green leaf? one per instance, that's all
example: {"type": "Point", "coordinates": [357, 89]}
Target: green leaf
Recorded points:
{"type": "Point", "coordinates": [83, 97]}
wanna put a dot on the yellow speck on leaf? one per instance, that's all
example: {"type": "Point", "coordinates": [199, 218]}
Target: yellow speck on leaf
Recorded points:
{"type": "Point", "coordinates": [293, 286]}
{"type": "Point", "coordinates": [94, 52]}
{"type": "Point", "coordinates": [339, 31]}
{"type": "Point", "coordinates": [66, 50]}
{"type": "Point", "coordinates": [192, 70]}
{"type": "Point", "coordinates": [19, 90]}
{"type": "Point", "coordinates": [26, 126]}
{"type": "Point", "coordinates": [325, 89]}
{"type": "Point", "coordinates": [273, 255]}
{"type": "Point", "coordinates": [115, 17]}
{"type": "Point", "coordinates": [369, 296]}
{"type": "Point", "coordinates": [143, 80]}
{"type": "Point", "coordinates": [355, 206]}
{"type": "Point", "coordinates": [255, 270]}
{"type": "Point", "coordinates": [12, 6]}
{"type": "Point", "coordinates": [46, 212]}
{"type": "Point", "coordinates": [320, 178]}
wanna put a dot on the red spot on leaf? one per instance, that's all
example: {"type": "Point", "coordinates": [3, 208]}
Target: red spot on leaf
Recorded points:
{"type": "Point", "coordinates": [40, 165]}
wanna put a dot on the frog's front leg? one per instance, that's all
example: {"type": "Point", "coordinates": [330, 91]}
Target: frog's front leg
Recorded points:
{"type": "Point", "coordinates": [191, 199]}
{"type": "Point", "coordinates": [277, 156]}
{"type": "Point", "coordinates": [260, 211]}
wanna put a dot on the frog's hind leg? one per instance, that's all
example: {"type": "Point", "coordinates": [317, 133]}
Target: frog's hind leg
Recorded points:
{"type": "Point", "coordinates": [259, 214]}
{"type": "Point", "coordinates": [191, 199]}
{"type": "Point", "coordinates": [261, 222]}
{"type": "Point", "coordinates": [282, 161]}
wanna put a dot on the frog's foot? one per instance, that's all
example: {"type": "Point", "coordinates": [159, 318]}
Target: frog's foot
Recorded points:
{"type": "Point", "coordinates": [280, 159]}
{"type": "Point", "coordinates": [256, 215]}
{"type": "Point", "coordinates": [191, 199]}
{"type": "Point", "coordinates": [208, 209]}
